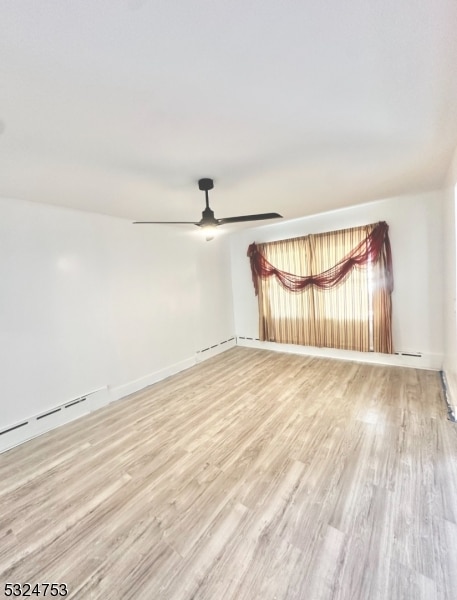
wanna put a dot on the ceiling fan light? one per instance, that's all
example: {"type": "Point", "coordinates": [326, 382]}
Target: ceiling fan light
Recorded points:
{"type": "Point", "coordinates": [209, 231]}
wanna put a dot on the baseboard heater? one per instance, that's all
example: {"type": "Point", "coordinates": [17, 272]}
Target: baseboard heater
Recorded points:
{"type": "Point", "coordinates": [399, 353]}
{"type": "Point", "coordinates": [54, 417]}
{"type": "Point", "coordinates": [45, 414]}
{"type": "Point", "coordinates": [215, 346]}
{"type": "Point", "coordinates": [14, 427]}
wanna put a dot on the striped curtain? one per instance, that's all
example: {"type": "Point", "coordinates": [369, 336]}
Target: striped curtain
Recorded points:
{"type": "Point", "coordinates": [353, 315]}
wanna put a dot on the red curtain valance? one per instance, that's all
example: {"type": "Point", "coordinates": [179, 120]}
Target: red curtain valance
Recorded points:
{"type": "Point", "coordinates": [368, 250]}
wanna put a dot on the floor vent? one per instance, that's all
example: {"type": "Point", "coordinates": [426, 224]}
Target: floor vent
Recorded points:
{"type": "Point", "coordinates": [413, 354]}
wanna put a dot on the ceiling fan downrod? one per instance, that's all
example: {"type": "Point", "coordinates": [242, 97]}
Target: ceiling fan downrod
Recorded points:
{"type": "Point", "coordinates": [208, 220]}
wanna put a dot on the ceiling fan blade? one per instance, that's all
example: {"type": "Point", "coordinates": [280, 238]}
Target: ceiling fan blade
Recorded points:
{"type": "Point", "coordinates": [164, 223]}
{"type": "Point", "coordinates": [259, 217]}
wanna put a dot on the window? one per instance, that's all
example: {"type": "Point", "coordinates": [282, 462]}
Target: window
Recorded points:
{"type": "Point", "coordinates": [327, 290]}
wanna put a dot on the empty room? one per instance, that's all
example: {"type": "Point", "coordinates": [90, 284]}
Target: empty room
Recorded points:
{"type": "Point", "coordinates": [228, 300]}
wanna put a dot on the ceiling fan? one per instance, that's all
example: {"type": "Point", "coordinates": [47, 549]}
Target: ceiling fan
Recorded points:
{"type": "Point", "coordinates": [208, 221]}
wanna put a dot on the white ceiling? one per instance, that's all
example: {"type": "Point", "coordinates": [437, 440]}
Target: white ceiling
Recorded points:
{"type": "Point", "coordinates": [119, 106]}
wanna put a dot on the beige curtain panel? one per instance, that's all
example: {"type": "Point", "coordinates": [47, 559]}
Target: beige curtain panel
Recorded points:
{"type": "Point", "coordinates": [353, 313]}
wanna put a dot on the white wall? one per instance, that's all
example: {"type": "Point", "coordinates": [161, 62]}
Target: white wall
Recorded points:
{"type": "Point", "coordinates": [415, 223]}
{"type": "Point", "coordinates": [215, 315]}
{"type": "Point", "coordinates": [89, 301]}
{"type": "Point", "coordinates": [450, 359]}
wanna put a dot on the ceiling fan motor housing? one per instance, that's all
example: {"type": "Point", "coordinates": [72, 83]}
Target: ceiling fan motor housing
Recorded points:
{"type": "Point", "coordinates": [208, 218]}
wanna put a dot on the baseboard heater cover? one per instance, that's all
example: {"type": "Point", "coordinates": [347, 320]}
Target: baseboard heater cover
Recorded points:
{"type": "Point", "coordinates": [78, 401]}
{"type": "Point", "coordinates": [18, 433]}
{"type": "Point", "coordinates": [13, 428]}
{"type": "Point", "coordinates": [215, 345]}
{"type": "Point", "coordinates": [398, 353]}
{"type": "Point", "coordinates": [46, 414]}
{"type": "Point", "coordinates": [62, 407]}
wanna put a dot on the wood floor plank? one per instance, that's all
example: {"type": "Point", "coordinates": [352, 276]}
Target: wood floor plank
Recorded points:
{"type": "Point", "coordinates": [253, 475]}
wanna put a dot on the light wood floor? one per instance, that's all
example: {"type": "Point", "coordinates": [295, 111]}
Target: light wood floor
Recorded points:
{"type": "Point", "coordinates": [251, 476]}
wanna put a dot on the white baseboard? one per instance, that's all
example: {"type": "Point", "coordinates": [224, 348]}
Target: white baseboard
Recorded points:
{"type": "Point", "coordinates": [422, 361]}
{"type": "Point", "coordinates": [118, 392]}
